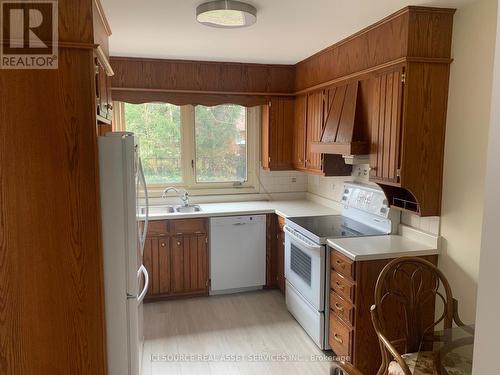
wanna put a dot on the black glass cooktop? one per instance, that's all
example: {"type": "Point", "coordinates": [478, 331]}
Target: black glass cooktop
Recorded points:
{"type": "Point", "coordinates": [319, 228]}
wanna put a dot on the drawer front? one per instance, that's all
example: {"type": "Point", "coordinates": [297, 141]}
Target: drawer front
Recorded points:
{"type": "Point", "coordinates": [342, 264]}
{"type": "Point", "coordinates": [342, 286]}
{"type": "Point", "coordinates": [188, 226]}
{"type": "Point", "coordinates": [339, 336]}
{"type": "Point", "coordinates": [157, 228]}
{"type": "Point", "coordinates": [341, 308]}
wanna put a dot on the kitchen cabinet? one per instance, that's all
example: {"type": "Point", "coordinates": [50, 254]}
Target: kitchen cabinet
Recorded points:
{"type": "Point", "coordinates": [385, 153]}
{"type": "Point", "coordinates": [314, 129]}
{"type": "Point", "coordinates": [352, 288]}
{"type": "Point", "coordinates": [299, 139]}
{"type": "Point", "coordinates": [280, 254]}
{"type": "Point", "coordinates": [309, 122]}
{"type": "Point", "coordinates": [277, 134]}
{"type": "Point", "coordinates": [407, 138]}
{"type": "Point", "coordinates": [103, 74]}
{"type": "Point", "coordinates": [275, 252]}
{"type": "Point", "coordinates": [157, 260]}
{"type": "Point", "coordinates": [176, 258]}
{"type": "Point", "coordinates": [189, 263]}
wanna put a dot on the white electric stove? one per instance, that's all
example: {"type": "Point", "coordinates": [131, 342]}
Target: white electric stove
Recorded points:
{"type": "Point", "coordinates": [365, 212]}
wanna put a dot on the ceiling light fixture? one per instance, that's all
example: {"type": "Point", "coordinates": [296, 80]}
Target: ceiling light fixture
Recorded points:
{"type": "Point", "coordinates": [226, 14]}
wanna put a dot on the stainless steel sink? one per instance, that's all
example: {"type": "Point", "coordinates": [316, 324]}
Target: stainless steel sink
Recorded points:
{"type": "Point", "coordinates": [157, 210]}
{"type": "Point", "coordinates": [163, 210]}
{"type": "Point", "coordinates": [189, 208]}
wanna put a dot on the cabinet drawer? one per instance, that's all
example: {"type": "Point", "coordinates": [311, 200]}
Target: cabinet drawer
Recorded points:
{"type": "Point", "coordinates": [187, 226]}
{"type": "Point", "coordinates": [339, 336]}
{"type": "Point", "coordinates": [342, 286]}
{"type": "Point", "coordinates": [341, 308]}
{"type": "Point", "coordinates": [342, 264]}
{"type": "Point", "coordinates": [157, 228]}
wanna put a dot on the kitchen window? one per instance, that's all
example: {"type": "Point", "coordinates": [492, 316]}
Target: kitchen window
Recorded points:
{"type": "Point", "coordinates": [208, 150]}
{"type": "Point", "coordinates": [158, 127]}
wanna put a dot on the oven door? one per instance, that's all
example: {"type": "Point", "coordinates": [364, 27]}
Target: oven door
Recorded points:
{"type": "Point", "coordinates": [304, 267]}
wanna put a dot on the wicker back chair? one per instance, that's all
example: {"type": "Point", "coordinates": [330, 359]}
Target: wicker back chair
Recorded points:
{"type": "Point", "coordinates": [411, 289]}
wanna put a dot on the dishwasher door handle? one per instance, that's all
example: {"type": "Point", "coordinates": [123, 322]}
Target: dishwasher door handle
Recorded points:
{"type": "Point", "coordinates": [239, 224]}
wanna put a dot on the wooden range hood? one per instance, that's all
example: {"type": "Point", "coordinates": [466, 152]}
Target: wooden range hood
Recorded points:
{"type": "Point", "coordinates": [343, 124]}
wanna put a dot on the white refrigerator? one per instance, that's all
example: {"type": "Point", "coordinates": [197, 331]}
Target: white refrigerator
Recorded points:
{"type": "Point", "coordinates": [125, 278]}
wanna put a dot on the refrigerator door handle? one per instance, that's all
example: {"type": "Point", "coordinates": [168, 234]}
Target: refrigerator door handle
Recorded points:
{"type": "Point", "coordinates": [142, 236]}
{"type": "Point", "coordinates": [144, 271]}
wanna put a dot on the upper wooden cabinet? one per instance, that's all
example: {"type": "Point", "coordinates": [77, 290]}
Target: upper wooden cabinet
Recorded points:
{"type": "Point", "coordinates": [277, 134]}
{"type": "Point", "coordinates": [385, 152]}
{"type": "Point", "coordinates": [103, 71]}
{"type": "Point", "coordinates": [314, 121]}
{"type": "Point", "coordinates": [103, 74]}
{"type": "Point", "coordinates": [402, 65]}
{"type": "Point", "coordinates": [408, 130]}
{"type": "Point", "coordinates": [309, 123]}
{"type": "Point", "coordinates": [299, 139]}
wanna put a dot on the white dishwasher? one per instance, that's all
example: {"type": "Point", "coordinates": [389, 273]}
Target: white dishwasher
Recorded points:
{"type": "Point", "coordinates": [237, 253]}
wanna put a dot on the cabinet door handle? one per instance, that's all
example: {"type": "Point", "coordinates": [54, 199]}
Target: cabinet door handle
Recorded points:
{"type": "Point", "coordinates": [178, 243]}
{"type": "Point", "coordinates": [162, 244]}
{"type": "Point", "coordinates": [339, 285]}
{"type": "Point", "coordinates": [338, 338]}
{"type": "Point", "coordinates": [338, 307]}
{"type": "Point", "coordinates": [339, 262]}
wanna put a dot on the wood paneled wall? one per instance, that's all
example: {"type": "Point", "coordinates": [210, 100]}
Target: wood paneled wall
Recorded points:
{"type": "Point", "coordinates": [411, 33]}
{"type": "Point", "coordinates": [139, 79]}
{"type": "Point", "coordinates": [51, 280]}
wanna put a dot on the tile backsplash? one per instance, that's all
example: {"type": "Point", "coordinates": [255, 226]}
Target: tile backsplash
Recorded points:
{"type": "Point", "coordinates": [331, 188]}
{"type": "Point", "coordinates": [430, 224]}
{"type": "Point", "coordinates": [282, 181]}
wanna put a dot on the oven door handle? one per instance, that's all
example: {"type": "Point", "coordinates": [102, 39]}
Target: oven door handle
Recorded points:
{"type": "Point", "coordinates": [307, 245]}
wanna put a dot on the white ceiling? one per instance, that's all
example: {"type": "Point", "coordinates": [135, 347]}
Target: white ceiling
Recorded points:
{"type": "Point", "coordinates": [286, 31]}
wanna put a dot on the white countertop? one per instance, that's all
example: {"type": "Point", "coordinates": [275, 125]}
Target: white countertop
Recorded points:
{"type": "Point", "coordinates": [290, 208]}
{"type": "Point", "coordinates": [381, 247]}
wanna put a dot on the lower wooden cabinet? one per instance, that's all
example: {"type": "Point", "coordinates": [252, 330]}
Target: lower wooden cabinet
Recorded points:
{"type": "Point", "coordinates": [352, 288]}
{"type": "Point", "coordinates": [189, 263]}
{"type": "Point", "coordinates": [275, 249]}
{"type": "Point", "coordinates": [176, 257]}
{"type": "Point", "coordinates": [157, 260]}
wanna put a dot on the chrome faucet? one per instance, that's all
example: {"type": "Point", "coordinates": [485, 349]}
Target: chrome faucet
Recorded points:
{"type": "Point", "coordinates": [185, 198]}
{"type": "Point", "coordinates": [183, 195]}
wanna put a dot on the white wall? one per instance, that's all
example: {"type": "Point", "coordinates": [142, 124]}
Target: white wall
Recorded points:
{"type": "Point", "coordinates": [468, 119]}
{"type": "Point", "coordinates": [488, 306]}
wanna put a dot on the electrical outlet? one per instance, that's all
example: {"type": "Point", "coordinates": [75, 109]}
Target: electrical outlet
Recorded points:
{"type": "Point", "coordinates": [294, 180]}
{"type": "Point", "coordinates": [360, 171]}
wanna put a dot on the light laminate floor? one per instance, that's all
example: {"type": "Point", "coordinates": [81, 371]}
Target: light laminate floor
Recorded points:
{"type": "Point", "coordinates": [246, 333]}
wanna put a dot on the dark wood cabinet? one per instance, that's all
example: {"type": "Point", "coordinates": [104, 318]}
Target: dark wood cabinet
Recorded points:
{"type": "Point", "coordinates": [277, 134]}
{"type": "Point", "coordinates": [299, 139]}
{"type": "Point", "coordinates": [189, 263]}
{"type": "Point", "coordinates": [280, 254]}
{"type": "Point", "coordinates": [309, 123]}
{"type": "Point", "coordinates": [176, 257]}
{"type": "Point", "coordinates": [407, 138]}
{"type": "Point", "coordinates": [352, 287]}
{"type": "Point", "coordinates": [103, 74]}
{"type": "Point", "coordinates": [275, 252]}
{"type": "Point", "coordinates": [157, 260]}
{"type": "Point", "coordinates": [314, 125]}
{"type": "Point", "coordinates": [385, 152]}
